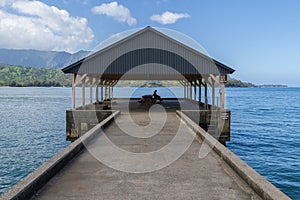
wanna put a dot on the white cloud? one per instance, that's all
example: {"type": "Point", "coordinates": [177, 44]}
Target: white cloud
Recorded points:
{"type": "Point", "coordinates": [5, 2]}
{"type": "Point", "coordinates": [115, 10]}
{"type": "Point", "coordinates": [83, 2]}
{"type": "Point", "coordinates": [35, 25]}
{"type": "Point", "coordinates": [169, 17]}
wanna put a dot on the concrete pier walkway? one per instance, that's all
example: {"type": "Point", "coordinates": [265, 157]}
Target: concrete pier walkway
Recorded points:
{"type": "Point", "coordinates": [189, 177]}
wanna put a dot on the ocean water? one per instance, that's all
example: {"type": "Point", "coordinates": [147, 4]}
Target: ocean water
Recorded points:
{"type": "Point", "coordinates": [265, 129]}
{"type": "Point", "coordinates": [32, 129]}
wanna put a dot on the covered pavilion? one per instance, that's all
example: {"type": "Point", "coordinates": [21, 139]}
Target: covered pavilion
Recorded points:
{"type": "Point", "coordinates": [149, 54]}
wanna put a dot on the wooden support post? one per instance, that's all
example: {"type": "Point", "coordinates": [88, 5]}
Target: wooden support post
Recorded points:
{"type": "Point", "coordinates": [106, 93]}
{"type": "Point", "coordinates": [205, 96]}
{"type": "Point", "coordinates": [73, 77]}
{"type": "Point", "coordinates": [223, 81]}
{"type": "Point", "coordinates": [109, 92]}
{"type": "Point", "coordinates": [83, 91]}
{"type": "Point", "coordinates": [187, 91]}
{"type": "Point", "coordinates": [222, 95]}
{"type": "Point", "coordinates": [97, 93]}
{"type": "Point", "coordinates": [195, 92]}
{"type": "Point", "coordinates": [182, 82]}
{"type": "Point", "coordinates": [200, 82]}
{"type": "Point", "coordinates": [213, 93]}
{"type": "Point", "coordinates": [97, 82]}
{"type": "Point", "coordinates": [91, 90]}
{"type": "Point", "coordinates": [191, 91]}
{"type": "Point", "coordinates": [184, 89]}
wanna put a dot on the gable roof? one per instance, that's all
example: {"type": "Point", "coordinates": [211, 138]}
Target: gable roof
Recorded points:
{"type": "Point", "coordinates": [141, 42]}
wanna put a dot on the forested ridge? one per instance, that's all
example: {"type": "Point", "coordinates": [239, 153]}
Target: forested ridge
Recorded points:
{"type": "Point", "coordinates": [18, 76]}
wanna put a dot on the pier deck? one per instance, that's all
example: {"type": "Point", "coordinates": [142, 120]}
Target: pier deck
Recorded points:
{"type": "Point", "coordinates": [187, 178]}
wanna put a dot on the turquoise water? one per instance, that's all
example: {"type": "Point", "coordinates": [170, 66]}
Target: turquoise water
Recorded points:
{"type": "Point", "coordinates": [265, 130]}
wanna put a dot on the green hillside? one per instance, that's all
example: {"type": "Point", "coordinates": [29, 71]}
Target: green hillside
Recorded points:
{"type": "Point", "coordinates": [237, 83]}
{"type": "Point", "coordinates": [16, 76]}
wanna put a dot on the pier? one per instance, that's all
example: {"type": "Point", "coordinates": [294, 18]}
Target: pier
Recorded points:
{"type": "Point", "coordinates": [76, 173]}
{"type": "Point", "coordinates": [125, 149]}
{"type": "Point", "coordinates": [187, 178]}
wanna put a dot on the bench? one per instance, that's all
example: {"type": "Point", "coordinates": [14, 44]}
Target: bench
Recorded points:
{"type": "Point", "coordinates": [147, 99]}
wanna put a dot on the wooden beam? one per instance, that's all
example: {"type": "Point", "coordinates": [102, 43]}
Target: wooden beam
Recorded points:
{"type": "Point", "coordinates": [115, 83]}
{"type": "Point", "coordinates": [214, 78]}
{"type": "Point", "coordinates": [202, 82]}
{"type": "Point", "coordinates": [73, 77]}
{"type": "Point", "coordinates": [181, 82]}
{"type": "Point", "coordinates": [101, 82]}
{"type": "Point", "coordinates": [206, 79]}
{"type": "Point", "coordinates": [197, 83]}
{"type": "Point", "coordinates": [192, 84]}
{"type": "Point", "coordinates": [81, 78]}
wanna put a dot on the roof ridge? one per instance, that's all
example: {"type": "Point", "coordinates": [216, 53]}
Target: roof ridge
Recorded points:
{"type": "Point", "coordinates": [139, 32]}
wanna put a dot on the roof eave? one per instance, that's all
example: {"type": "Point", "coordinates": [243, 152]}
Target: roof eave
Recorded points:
{"type": "Point", "coordinates": [79, 62]}
{"type": "Point", "coordinates": [231, 71]}
{"type": "Point", "coordinates": [69, 68]}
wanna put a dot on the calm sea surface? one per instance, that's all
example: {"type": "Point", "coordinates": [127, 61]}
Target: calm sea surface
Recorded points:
{"type": "Point", "coordinates": [265, 130]}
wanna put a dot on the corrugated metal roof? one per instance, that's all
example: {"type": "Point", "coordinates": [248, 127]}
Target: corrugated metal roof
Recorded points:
{"type": "Point", "coordinates": [146, 49]}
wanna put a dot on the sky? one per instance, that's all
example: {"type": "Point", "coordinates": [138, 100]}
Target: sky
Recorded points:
{"type": "Point", "coordinates": [259, 39]}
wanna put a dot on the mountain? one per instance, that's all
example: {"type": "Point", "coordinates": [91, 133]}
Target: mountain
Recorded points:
{"type": "Point", "coordinates": [39, 59]}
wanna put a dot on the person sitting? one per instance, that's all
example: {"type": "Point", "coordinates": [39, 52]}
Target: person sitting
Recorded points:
{"type": "Point", "coordinates": [156, 96]}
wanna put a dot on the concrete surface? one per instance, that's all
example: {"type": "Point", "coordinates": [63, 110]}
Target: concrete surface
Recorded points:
{"type": "Point", "coordinates": [29, 185]}
{"type": "Point", "coordinates": [259, 184]}
{"type": "Point", "coordinates": [187, 178]}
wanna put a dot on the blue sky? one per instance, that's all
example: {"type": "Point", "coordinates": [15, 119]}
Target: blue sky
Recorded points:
{"type": "Point", "coordinates": [260, 39]}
